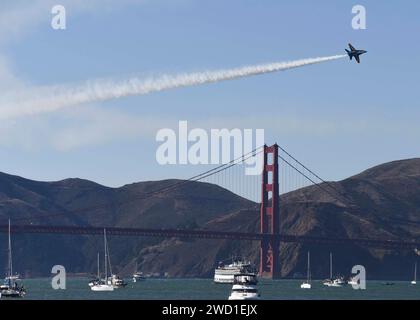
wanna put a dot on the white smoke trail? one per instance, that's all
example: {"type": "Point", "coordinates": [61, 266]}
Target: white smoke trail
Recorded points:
{"type": "Point", "coordinates": [51, 98]}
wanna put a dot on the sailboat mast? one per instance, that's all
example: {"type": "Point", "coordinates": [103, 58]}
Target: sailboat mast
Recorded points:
{"type": "Point", "coordinates": [10, 254]}
{"type": "Point", "coordinates": [415, 271]}
{"type": "Point", "coordinates": [106, 258]}
{"type": "Point", "coordinates": [331, 266]}
{"type": "Point", "coordinates": [109, 260]}
{"type": "Point", "coordinates": [309, 266]}
{"type": "Point", "coordinates": [98, 267]}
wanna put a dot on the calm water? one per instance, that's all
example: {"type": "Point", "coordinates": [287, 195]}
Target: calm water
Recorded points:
{"type": "Point", "coordinates": [184, 289]}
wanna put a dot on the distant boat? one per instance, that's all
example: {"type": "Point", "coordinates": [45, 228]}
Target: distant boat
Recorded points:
{"type": "Point", "coordinates": [307, 283]}
{"type": "Point", "coordinates": [333, 282]}
{"type": "Point", "coordinates": [114, 279]}
{"type": "Point", "coordinates": [388, 283]}
{"type": "Point", "coordinates": [414, 282]}
{"type": "Point", "coordinates": [10, 287]}
{"type": "Point", "coordinates": [353, 281]}
{"type": "Point", "coordinates": [138, 276]}
{"type": "Point", "coordinates": [102, 284]}
{"type": "Point", "coordinates": [98, 276]}
{"type": "Point", "coordinates": [226, 273]}
{"type": "Point", "coordinates": [244, 287]}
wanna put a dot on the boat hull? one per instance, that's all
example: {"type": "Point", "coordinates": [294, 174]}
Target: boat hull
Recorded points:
{"type": "Point", "coordinates": [244, 296]}
{"type": "Point", "coordinates": [337, 285]}
{"type": "Point", "coordinates": [306, 286]}
{"type": "Point", "coordinates": [102, 287]}
{"type": "Point", "coordinates": [12, 294]}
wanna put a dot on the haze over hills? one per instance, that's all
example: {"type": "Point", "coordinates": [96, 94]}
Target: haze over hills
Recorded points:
{"type": "Point", "coordinates": [382, 202]}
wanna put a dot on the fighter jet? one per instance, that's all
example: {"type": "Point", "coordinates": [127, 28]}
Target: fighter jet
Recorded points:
{"type": "Point", "coordinates": [355, 53]}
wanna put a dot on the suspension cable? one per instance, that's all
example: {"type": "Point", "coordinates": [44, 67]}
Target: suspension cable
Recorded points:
{"type": "Point", "coordinates": [327, 183]}
{"type": "Point", "coordinates": [319, 185]}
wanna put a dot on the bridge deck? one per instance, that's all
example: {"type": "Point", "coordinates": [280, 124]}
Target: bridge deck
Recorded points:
{"type": "Point", "coordinates": [209, 234]}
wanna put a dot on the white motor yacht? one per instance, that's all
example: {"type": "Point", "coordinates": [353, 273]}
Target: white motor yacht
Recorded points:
{"type": "Point", "coordinates": [244, 287]}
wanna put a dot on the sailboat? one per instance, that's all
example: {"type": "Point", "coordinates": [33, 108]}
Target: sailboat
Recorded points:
{"type": "Point", "coordinates": [98, 276]}
{"type": "Point", "coordinates": [414, 282]}
{"type": "Point", "coordinates": [10, 287]}
{"type": "Point", "coordinates": [337, 282]}
{"type": "Point", "coordinates": [114, 279]}
{"type": "Point", "coordinates": [102, 284]}
{"type": "Point", "coordinates": [307, 283]}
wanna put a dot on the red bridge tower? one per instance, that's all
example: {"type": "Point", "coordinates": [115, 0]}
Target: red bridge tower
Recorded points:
{"type": "Point", "coordinates": [270, 220]}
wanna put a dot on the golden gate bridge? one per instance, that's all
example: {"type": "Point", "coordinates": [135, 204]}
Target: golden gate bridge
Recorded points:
{"type": "Point", "coordinates": [272, 183]}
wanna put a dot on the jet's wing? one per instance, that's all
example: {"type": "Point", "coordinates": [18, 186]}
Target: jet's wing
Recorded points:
{"type": "Point", "coordinates": [357, 58]}
{"type": "Point", "coordinates": [351, 47]}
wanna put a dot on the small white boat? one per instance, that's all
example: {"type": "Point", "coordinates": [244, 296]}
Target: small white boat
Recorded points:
{"type": "Point", "coordinates": [414, 282]}
{"type": "Point", "coordinates": [334, 282]}
{"type": "Point", "coordinates": [138, 276]}
{"type": "Point", "coordinates": [352, 281]}
{"type": "Point", "coordinates": [244, 287]}
{"type": "Point", "coordinates": [102, 285]}
{"type": "Point", "coordinates": [307, 283]}
{"type": "Point", "coordinates": [13, 292]}
{"type": "Point", "coordinates": [10, 287]}
{"type": "Point", "coordinates": [338, 282]}
{"type": "Point", "coordinates": [8, 280]}
{"type": "Point", "coordinates": [116, 281]}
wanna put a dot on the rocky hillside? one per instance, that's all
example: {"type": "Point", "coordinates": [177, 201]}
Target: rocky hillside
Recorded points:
{"type": "Point", "coordinates": [80, 202]}
{"type": "Point", "coordinates": [381, 202]}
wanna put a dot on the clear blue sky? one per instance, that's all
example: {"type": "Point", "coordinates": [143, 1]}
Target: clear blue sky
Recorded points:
{"type": "Point", "coordinates": [339, 117]}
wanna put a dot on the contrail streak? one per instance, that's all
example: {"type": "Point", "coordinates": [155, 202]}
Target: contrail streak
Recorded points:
{"type": "Point", "coordinates": [52, 98]}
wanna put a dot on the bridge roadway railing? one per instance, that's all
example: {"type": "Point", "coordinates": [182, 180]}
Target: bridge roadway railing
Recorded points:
{"type": "Point", "coordinates": [210, 234]}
